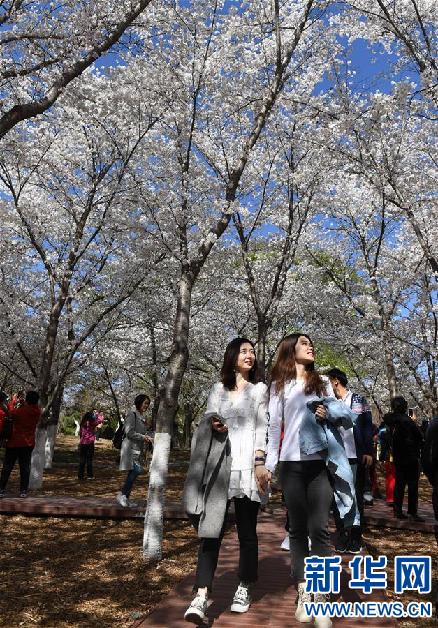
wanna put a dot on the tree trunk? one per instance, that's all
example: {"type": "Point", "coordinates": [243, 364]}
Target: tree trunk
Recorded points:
{"type": "Point", "coordinates": [188, 420]}
{"type": "Point", "coordinates": [49, 449]}
{"type": "Point", "coordinates": [39, 452]}
{"type": "Point", "coordinates": [389, 360]}
{"type": "Point", "coordinates": [155, 384]}
{"type": "Point", "coordinates": [49, 350]}
{"type": "Point", "coordinates": [153, 520]}
{"type": "Point", "coordinates": [38, 459]}
{"type": "Point", "coordinates": [262, 330]}
{"type": "Point", "coordinates": [153, 530]}
{"type": "Point", "coordinates": [52, 428]}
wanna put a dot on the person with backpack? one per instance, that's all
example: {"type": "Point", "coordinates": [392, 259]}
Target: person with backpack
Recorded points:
{"type": "Point", "coordinates": [22, 441]}
{"type": "Point", "coordinates": [87, 436]}
{"type": "Point", "coordinates": [134, 447]}
{"type": "Point", "coordinates": [385, 441]}
{"type": "Point", "coordinates": [358, 443]}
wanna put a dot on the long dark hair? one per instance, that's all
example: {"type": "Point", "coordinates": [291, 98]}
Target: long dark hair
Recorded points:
{"type": "Point", "coordinates": [88, 416]}
{"type": "Point", "coordinates": [228, 373]}
{"type": "Point", "coordinates": [284, 368]}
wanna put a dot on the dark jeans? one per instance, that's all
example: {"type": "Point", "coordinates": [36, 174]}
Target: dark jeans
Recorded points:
{"type": "Point", "coordinates": [24, 455]}
{"type": "Point", "coordinates": [86, 453]}
{"type": "Point", "coordinates": [435, 493]}
{"type": "Point", "coordinates": [130, 479]}
{"type": "Point", "coordinates": [208, 553]}
{"type": "Point", "coordinates": [407, 474]}
{"type": "Point", "coordinates": [308, 495]}
{"type": "Point", "coordinates": [359, 473]}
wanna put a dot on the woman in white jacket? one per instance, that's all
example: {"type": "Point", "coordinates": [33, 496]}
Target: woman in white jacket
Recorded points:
{"type": "Point", "coordinates": [133, 449]}
{"type": "Point", "coordinates": [237, 406]}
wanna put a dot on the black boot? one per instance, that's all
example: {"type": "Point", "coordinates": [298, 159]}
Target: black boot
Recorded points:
{"type": "Point", "coordinates": [398, 514]}
{"type": "Point", "coordinates": [355, 544]}
{"type": "Point", "coordinates": [343, 540]}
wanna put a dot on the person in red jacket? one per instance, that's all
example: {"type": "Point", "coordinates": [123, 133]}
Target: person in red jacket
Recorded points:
{"type": "Point", "coordinates": [20, 445]}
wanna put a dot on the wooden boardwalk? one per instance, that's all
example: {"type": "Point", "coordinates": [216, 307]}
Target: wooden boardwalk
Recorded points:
{"type": "Point", "coordinates": [274, 596]}
{"type": "Point", "coordinates": [80, 507]}
{"type": "Point", "coordinates": [379, 514]}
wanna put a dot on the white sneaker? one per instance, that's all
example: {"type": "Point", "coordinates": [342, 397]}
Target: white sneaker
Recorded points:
{"type": "Point", "coordinates": [368, 498]}
{"type": "Point", "coordinates": [241, 600]}
{"type": "Point", "coordinates": [320, 620]}
{"type": "Point", "coordinates": [196, 613]}
{"type": "Point", "coordinates": [303, 597]}
{"type": "Point", "coordinates": [122, 500]}
{"type": "Point", "coordinates": [286, 544]}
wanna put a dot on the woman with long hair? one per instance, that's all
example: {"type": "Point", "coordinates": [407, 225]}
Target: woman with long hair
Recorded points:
{"type": "Point", "coordinates": [227, 463]}
{"type": "Point", "coordinates": [87, 438]}
{"type": "Point", "coordinates": [304, 478]}
{"type": "Point", "coordinates": [134, 446]}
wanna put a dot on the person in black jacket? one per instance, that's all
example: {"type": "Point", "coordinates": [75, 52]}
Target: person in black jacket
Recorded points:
{"type": "Point", "coordinates": [429, 460]}
{"type": "Point", "coordinates": [358, 443]}
{"type": "Point", "coordinates": [407, 443]}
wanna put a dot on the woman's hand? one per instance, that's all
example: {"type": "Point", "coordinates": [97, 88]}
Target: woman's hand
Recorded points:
{"type": "Point", "coordinates": [148, 439]}
{"type": "Point", "coordinates": [218, 426]}
{"type": "Point", "coordinates": [320, 412]}
{"type": "Point", "coordinates": [263, 478]}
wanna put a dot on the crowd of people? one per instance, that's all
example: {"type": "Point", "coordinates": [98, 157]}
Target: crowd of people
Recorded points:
{"type": "Point", "coordinates": [19, 418]}
{"type": "Point", "coordinates": [306, 430]}
{"type": "Point", "coordinates": [316, 436]}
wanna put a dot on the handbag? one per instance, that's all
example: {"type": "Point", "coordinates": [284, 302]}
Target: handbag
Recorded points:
{"type": "Point", "coordinates": [6, 432]}
{"type": "Point", "coordinates": [119, 436]}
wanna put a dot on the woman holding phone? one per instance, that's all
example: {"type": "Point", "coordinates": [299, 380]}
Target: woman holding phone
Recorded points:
{"type": "Point", "coordinates": [235, 423]}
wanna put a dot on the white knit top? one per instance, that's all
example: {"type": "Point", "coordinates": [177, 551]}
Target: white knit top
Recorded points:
{"type": "Point", "coordinates": [246, 415]}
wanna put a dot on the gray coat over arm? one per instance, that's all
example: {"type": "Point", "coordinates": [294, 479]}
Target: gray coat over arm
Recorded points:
{"type": "Point", "coordinates": [208, 478]}
{"type": "Point", "coordinates": [133, 445]}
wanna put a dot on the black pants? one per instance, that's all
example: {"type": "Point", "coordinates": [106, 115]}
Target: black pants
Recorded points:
{"type": "Point", "coordinates": [308, 495]}
{"type": "Point", "coordinates": [434, 483]}
{"type": "Point", "coordinates": [359, 473]}
{"type": "Point", "coordinates": [24, 455]}
{"type": "Point", "coordinates": [407, 474]}
{"type": "Point", "coordinates": [86, 453]}
{"type": "Point", "coordinates": [208, 553]}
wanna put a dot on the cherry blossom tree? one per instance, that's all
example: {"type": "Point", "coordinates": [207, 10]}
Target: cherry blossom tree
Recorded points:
{"type": "Point", "coordinates": [213, 138]}
{"type": "Point", "coordinates": [62, 201]}
{"type": "Point", "coordinates": [45, 46]}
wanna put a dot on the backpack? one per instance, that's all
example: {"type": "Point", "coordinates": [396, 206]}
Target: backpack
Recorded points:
{"type": "Point", "coordinates": [6, 432]}
{"type": "Point", "coordinates": [119, 436]}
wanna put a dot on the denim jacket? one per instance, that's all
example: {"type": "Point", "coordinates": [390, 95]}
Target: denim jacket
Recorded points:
{"type": "Point", "coordinates": [324, 438]}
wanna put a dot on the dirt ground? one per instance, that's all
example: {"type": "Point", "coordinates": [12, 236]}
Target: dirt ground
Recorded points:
{"type": "Point", "coordinates": [85, 573]}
